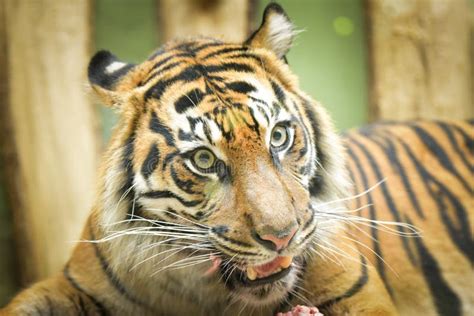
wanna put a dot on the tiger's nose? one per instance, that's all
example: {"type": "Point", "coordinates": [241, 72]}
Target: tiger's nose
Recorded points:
{"type": "Point", "coordinates": [277, 241]}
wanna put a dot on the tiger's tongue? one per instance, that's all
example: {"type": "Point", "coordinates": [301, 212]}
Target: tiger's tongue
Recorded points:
{"type": "Point", "coordinates": [264, 270]}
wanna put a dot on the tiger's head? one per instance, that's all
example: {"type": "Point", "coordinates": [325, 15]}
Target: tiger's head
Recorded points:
{"type": "Point", "coordinates": [218, 154]}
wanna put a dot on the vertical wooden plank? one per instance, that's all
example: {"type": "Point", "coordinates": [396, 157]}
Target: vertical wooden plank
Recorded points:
{"type": "Point", "coordinates": [52, 162]}
{"type": "Point", "coordinates": [420, 59]}
{"type": "Point", "coordinates": [225, 19]}
{"type": "Point", "coordinates": [8, 276]}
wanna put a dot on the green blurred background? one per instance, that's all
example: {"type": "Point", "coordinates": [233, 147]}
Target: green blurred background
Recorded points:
{"type": "Point", "coordinates": [329, 57]}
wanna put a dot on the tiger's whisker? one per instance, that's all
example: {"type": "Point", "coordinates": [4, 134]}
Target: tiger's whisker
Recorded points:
{"type": "Point", "coordinates": [353, 197]}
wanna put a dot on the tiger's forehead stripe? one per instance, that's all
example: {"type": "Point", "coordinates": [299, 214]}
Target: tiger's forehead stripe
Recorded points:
{"type": "Point", "coordinates": [214, 90]}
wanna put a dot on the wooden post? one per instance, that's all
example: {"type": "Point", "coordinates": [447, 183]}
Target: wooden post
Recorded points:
{"type": "Point", "coordinates": [420, 59]}
{"type": "Point", "coordinates": [224, 19]}
{"type": "Point", "coordinates": [49, 129]}
{"type": "Point", "coordinates": [8, 276]}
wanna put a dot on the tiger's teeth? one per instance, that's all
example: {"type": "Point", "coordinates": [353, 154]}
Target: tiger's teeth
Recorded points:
{"type": "Point", "coordinates": [286, 261]}
{"type": "Point", "coordinates": [251, 273]}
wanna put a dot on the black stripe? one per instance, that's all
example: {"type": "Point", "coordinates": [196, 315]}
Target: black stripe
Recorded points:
{"type": "Point", "coordinates": [241, 87]}
{"type": "Point", "coordinates": [114, 280]}
{"type": "Point", "coordinates": [448, 130]}
{"type": "Point", "coordinates": [310, 220]}
{"type": "Point", "coordinates": [255, 126]}
{"type": "Point", "coordinates": [126, 190]}
{"type": "Point", "coordinates": [151, 161]}
{"type": "Point", "coordinates": [392, 155]}
{"type": "Point", "coordinates": [222, 247]}
{"type": "Point", "coordinates": [189, 100]}
{"type": "Point", "coordinates": [170, 195]}
{"type": "Point", "coordinates": [355, 187]}
{"type": "Point", "coordinates": [207, 132]}
{"type": "Point", "coordinates": [161, 63]}
{"type": "Point", "coordinates": [161, 71]}
{"type": "Point", "coordinates": [439, 154]}
{"type": "Point", "coordinates": [188, 137]}
{"type": "Point", "coordinates": [246, 57]}
{"type": "Point", "coordinates": [316, 184]}
{"type": "Point", "coordinates": [186, 46]}
{"type": "Point", "coordinates": [184, 185]}
{"type": "Point", "coordinates": [278, 91]}
{"type": "Point", "coordinates": [127, 164]}
{"type": "Point", "coordinates": [78, 303]}
{"type": "Point", "coordinates": [259, 101]}
{"type": "Point", "coordinates": [220, 235]}
{"type": "Point", "coordinates": [468, 139]}
{"type": "Point", "coordinates": [164, 60]}
{"type": "Point", "coordinates": [373, 229]}
{"type": "Point", "coordinates": [168, 158]}
{"type": "Point", "coordinates": [446, 301]}
{"type": "Point", "coordinates": [239, 67]}
{"type": "Point", "coordinates": [192, 73]}
{"type": "Point", "coordinates": [98, 306]}
{"type": "Point", "coordinates": [226, 50]}
{"type": "Point", "coordinates": [354, 289]}
{"type": "Point", "coordinates": [386, 194]}
{"type": "Point", "coordinates": [188, 74]}
{"type": "Point", "coordinates": [440, 194]}
{"type": "Point", "coordinates": [308, 235]}
{"type": "Point", "coordinates": [159, 128]}
{"type": "Point", "coordinates": [207, 45]}
{"type": "Point", "coordinates": [260, 108]}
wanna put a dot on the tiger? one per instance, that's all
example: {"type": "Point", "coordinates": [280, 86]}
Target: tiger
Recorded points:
{"type": "Point", "coordinates": [226, 190]}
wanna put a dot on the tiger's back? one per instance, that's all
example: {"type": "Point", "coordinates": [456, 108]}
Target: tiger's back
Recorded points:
{"type": "Point", "coordinates": [425, 175]}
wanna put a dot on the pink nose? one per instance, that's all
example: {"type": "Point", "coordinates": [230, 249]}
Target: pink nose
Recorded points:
{"type": "Point", "coordinates": [282, 240]}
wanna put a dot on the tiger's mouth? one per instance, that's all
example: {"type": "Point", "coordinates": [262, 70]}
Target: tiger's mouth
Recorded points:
{"type": "Point", "coordinates": [268, 272]}
{"type": "Point", "coordinates": [256, 275]}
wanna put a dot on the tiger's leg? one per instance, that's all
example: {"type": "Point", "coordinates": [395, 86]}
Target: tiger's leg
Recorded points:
{"type": "Point", "coordinates": [345, 283]}
{"type": "Point", "coordinates": [55, 296]}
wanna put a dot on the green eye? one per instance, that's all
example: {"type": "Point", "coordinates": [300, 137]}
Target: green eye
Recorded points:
{"type": "Point", "coordinates": [204, 158]}
{"type": "Point", "coordinates": [279, 136]}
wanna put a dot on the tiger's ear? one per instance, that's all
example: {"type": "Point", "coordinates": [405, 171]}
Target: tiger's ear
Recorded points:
{"type": "Point", "coordinates": [105, 72]}
{"type": "Point", "coordinates": [276, 32]}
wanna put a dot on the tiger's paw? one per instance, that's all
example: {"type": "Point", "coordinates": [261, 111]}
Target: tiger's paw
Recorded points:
{"type": "Point", "coordinates": [301, 311]}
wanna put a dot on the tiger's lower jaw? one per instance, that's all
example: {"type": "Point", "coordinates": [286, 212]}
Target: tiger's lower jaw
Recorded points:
{"type": "Point", "coordinates": [263, 291]}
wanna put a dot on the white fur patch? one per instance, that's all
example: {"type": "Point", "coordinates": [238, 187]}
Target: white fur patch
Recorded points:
{"type": "Point", "coordinates": [216, 133]}
{"type": "Point", "coordinates": [280, 34]}
{"type": "Point", "coordinates": [113, 67]}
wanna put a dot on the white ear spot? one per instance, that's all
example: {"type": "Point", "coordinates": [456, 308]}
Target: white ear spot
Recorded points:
{"type": "Point", "coordinates": [280, 34]}
{"type": "Point", "coordinates": [276, 32]}
{"type": "Point", "coordinates": [114, 66]}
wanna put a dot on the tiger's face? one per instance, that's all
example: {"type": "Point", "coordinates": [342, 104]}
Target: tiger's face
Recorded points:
{"type": "Point", "coordinates": [216, 140]}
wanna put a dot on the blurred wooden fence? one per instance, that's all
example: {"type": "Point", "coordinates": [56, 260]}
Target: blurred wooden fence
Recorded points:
{"type": "Point", "coordinates": [49, 129]}
{"type": "Point", "coordinates": [420, 67]}
{"type": "Point", "coordinates": [421, 59]}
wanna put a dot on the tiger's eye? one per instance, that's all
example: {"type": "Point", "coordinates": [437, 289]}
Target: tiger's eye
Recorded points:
{"type": "Point", "coordinates": [279, 136]}
{"type": "Point", "coordinates": [204, 158]}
